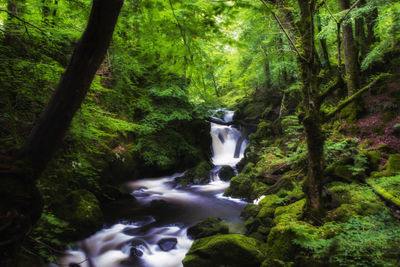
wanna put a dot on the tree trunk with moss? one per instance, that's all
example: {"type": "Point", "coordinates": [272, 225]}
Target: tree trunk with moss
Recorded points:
{"type": "Point", "coordinates": [20, 200]}
{"type": "Point", "coordinates": [309, 70]}
{"type": "Point", "coordinates": [350, 53]}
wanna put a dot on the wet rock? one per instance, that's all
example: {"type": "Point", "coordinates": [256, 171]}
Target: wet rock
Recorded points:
{"type": "Point", "coordinates": [158, 204]}
{"type": "Point", "coordinates": [197, 175]}
{"type": "Point", "coordinates": [132, 231]}
{"type": "Point", "coordinates": [135, 253]}
{"type": "Point", "coordinates": [167, 244]}
{"type": "Point", "coordinates": [226, 173]}
{"type": "Point", "coordinates": [210, 226]}
{"type": "Point", "coordinates": [74, 265]}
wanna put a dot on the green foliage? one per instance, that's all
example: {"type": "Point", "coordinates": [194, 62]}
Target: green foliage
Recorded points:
{"type": "Point", "coordinates": [45, 238]}
{"type": "Point", "coordinates": [362, 241]}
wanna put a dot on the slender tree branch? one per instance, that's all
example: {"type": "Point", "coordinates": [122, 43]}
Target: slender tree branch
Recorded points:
{"type": "Point", "coordinates": [350, 9]}
{"type": "Point", "coordinates": [285, 32]}
{"type": "Point", "coordinates": [24, 21]}
{"type": "Point", "coordinates": [330, 12]}
{"type": "Point", "coordinates": [350, 99]}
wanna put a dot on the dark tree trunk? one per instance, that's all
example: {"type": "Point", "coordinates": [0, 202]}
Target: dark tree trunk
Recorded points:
{"type": "Point", "coordinates": [21, 205]}
{"type": "Point", "coordinates": [361, 39]}
{"type": "Point", "coordinates": [309, 70]}
{"type": "Point", "coordinates": [53, 124]}
{"type": "Point", "coordinates": [350, 53]}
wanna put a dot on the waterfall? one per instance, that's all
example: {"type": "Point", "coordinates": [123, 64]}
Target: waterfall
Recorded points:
{"type": "Point", "coordinates": [228, 144]}
{"type": "Point", "coordinates": [166, 214]}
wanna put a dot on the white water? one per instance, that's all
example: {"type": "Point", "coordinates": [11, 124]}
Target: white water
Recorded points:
{"type": "Point", "coordinates": [111, 247]}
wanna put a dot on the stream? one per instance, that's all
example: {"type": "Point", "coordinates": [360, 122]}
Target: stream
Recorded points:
{"type": "Point", "coordinates": [147, 240]}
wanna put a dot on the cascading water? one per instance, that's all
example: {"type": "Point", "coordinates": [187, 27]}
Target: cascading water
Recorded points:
{"type": "Point", "coordinates": [159, 239]}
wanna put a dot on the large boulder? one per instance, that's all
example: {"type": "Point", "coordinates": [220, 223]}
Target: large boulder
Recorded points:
{"type": "Point", "coordinates": [197, 175]}
{"type": "Point", "coordinates": [210, 226]}
{"type": "Point", "coordinates": [226, 173]}
{"type": "Point", "coordinates": [81, 209]}
{"type": "Point", "coordinates": [225, 250]}
{"type": "Point", "coordinates": [393, 164]}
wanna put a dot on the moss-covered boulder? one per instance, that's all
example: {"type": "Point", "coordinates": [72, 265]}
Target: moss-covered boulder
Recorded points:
{"type": "Point", "coordinates": [355, 199]}
{"type": "Point", "coordinates": [225, 250]}
{"type": "Point", "coordinates": [291, 212]}
{"type": "Point", "coordinates": [240, 187]}
{"type": "Point", "coordinates": [250, 210]}
{"type": "Point", "coordinates": [210, 226]}
{"type": "Point", "coordinates": [81, 209]}
{"type": "Point", "coordinates": [197, 175]}
{"type": "Point", "coordinates": [264, 130]}
{"type": "Point", "coordinates": [374, 158]}
{"type": "Point", "coordinates": [280, 242]}
{"type": "Point", "coordinates": [393, 164]}
{"type": "Point", "coordinates": [244, 186]}
{"type": "Point", "coordinates": [226, 173]}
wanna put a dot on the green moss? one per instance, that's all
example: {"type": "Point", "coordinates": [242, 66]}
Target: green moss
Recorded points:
{"type": "Point", "coordinates": [243, 186]}
{"type": "Point", "coordinates": [289, 213]}
{"type": "Point", "coordinates": [250, 210]}
{"type": "Point", "coordinates": [387, 188]}
{"type": "Point", "coordinates": [361, 199]}
{"type": "Point", "coordinates": [374, 159]}
{"type": "Point", "coordinates": [343, 213]}
{"type": "Point", "coordinates": [210, 226]}
{"type": "Point", "coordinates": [225, 250]}
{"type": "Point", "coordinates": [352, 112]}
{"type": "Point", "coordinates": [197, 175]}
{"type": "Point", "coordinates": [81, 209]}
{"type": "Point", "coordinates": [393, 164]}
{"type": "Point", "coordinates": [264, 130]}
{"type": "Point", "coordinates": [269, 200]}
{"type": "Point", "coordinates": [280, 242]}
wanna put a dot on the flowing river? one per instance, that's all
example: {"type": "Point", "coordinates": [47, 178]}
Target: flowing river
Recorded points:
{"type": "Point", "coordinates": [147, 240]}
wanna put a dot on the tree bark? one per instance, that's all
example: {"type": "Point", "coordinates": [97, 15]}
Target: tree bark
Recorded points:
{"type": "Point", "coordinates": [309, 70]}
{"type": "Point", "coordinates": [20, 201]}
{"type": "Point", "coordinates": [350, 53]}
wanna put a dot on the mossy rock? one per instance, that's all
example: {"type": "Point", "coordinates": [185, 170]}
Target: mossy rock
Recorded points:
{"type": "Point", "coordinates": [81, 209]}
{"type": "Point", "coordinates": [393, 164]}
{"type": "Point", "coordinates": [374, 158]}
{"type": "Point", "coordinates": [361, 198]}
{"type": "Point", "coordinates": [210, 226]}
{"type": "Point", "coordinates": [240, 187]}
{"type": "Point", "coordinates": [226, 173]}
{"type": "Point", "coordinates": [275, 263]}
{"type": "Point", "coordinates": [269, 201]}
{"type": "Point", "coordinates": [353, 112]}
{"type": "Point", "coordinates": [225, 250]}
{"type": "Point", "coordinates": [280, 243]}
{"type": "Point", "coordinates": [289, 213]}
{"type": "Point", "coordinates": [264, 130]}
{"type": "Point", "coordinates": [343, 213]}
{"type": "Point", "coordinates": [197, 175]}
{"type": "Point", "coordinates": [250, 210]}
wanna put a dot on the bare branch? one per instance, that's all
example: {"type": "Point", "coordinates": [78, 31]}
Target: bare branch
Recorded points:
{"type": "Point", "coordinates": [24, 21]}
{"type": "Point", "coordinates": [285, 32]}
{"type": "Point", "coordinates": [330, 12]}
{"type": "Point", "coordinates": [350, 9]}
